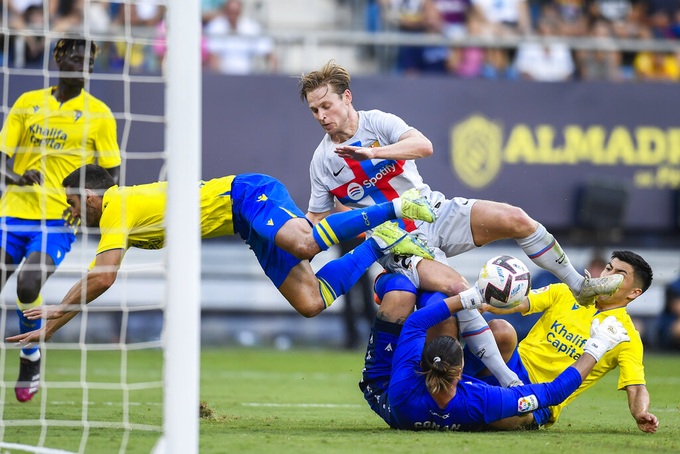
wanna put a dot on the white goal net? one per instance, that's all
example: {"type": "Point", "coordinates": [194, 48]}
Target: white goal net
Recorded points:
{"type": "Point", "coordinates": [123, 374]}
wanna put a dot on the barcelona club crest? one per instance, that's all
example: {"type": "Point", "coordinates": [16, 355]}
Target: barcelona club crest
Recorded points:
{"type": "Point", "coordinates": [476, 155]}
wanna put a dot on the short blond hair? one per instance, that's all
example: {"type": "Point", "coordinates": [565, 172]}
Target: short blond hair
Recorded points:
{"type": "Point", "coordinates": [331, 74]}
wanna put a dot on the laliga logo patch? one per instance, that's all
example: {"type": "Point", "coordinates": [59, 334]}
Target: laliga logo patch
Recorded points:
{"type": "Point", "coordinates": [526, 404]}
{"type": "Point", "coordinates": [355, 191]}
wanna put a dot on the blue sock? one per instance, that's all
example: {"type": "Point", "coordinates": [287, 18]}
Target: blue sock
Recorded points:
{"type": "Point", "coordinates": [25, 326]}
{"type": "Point", "coordinates": [339, 275]}
{"type": "Point", "coordinates": [348, 224]}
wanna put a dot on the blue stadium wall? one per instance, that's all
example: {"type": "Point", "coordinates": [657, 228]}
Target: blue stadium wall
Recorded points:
{"type": "Point", "coordinates": [539, 146]}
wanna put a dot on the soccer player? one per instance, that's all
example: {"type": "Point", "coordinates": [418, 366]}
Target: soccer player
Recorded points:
{"type": "Point", "coordinates": [559, 336]}
{"type": "Point", "coordinates": [255, 206]}
{"type": "Point", "coordinates": [47, 134]}
{"type": "Point", "coordinates": [417, 385]}
{"type": "Point", "coordinates": [367, 157]}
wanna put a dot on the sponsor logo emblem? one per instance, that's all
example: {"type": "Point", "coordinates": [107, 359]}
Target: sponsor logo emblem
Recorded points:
{"type": "Point", "coordinates": [355, 191]}
{"type": "Point", "coordinates": [335, 174]}
{"type": "Point", "coordinates": [526, 404]}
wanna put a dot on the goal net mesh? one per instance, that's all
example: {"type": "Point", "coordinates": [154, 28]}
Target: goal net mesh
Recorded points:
{"type": "Point", "coordinates": [102, 373]}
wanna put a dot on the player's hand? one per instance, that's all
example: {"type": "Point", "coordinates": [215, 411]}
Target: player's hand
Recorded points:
{"type": "Point", "coordinates": [47, 312]}
{"type": "Point", "coordinates": [604, 336]}
{"type": "Point", "coordinates": [70, 220]}
{"type": "Point", "coordinates": [29, 178]}
{"type": "Point", "coordinates": [496, 310]}
{"type": "Point", "coordinates": [647, 422]}
{"type": "Point", "coordinates": [30, 337]}
{"type": "Point", "coordinates": [355, 153]}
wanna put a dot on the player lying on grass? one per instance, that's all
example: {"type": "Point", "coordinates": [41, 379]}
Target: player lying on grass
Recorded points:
{"type": "Point", "coordinates": [558, 337]}
{"type": "Point", "coordinates": [258, 208]}
{"type": "Point", "coordinates": [417, 385]}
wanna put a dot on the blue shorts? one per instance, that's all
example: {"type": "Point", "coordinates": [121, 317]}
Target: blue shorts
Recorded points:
{"type": "Point", "coordinates": [375, 378]}
{"type": "Point", "coordinates": [474, 365]}
{"type": "Point", "coordinates": [261, 205]}
{"type": "Point", "coordinates": [21, 237]}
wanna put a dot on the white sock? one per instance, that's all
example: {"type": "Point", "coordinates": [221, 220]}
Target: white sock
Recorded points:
{"type": "Point", "coordinates": [483, 345]}
{"type": "Point", "coordinates": [35, 356]}
{"type": "Point", "coordinates": [544, 250]}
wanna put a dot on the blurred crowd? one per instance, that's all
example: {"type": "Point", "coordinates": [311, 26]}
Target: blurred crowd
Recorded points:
{"type": "Point", "coordinates": [235, 43]}
{"type": "Point", "coordinates": [602, 21]}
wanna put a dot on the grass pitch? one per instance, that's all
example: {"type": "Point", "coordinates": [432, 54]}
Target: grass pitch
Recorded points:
{"type": "Point", "coordinates": [300, 401]}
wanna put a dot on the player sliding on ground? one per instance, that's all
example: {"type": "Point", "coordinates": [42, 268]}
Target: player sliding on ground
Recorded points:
{"type": "Point", "coordinates": [255, 206]}
{"type": "Point", "coordinates": [415, 385]}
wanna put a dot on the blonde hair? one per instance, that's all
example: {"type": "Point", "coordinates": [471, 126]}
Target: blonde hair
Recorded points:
{"type": "Point", "coordinates": [332, 74]}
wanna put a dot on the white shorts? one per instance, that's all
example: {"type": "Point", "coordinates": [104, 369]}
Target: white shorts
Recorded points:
{"type": "Point", "coordinates": [449, 235]}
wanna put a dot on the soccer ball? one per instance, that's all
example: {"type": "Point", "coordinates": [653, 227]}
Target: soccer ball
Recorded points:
{"type": "Point", "coordinates": [504, 281]}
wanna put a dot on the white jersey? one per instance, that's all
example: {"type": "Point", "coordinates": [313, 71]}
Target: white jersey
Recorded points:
{"type": "Point", "coordinates": [359, 184]}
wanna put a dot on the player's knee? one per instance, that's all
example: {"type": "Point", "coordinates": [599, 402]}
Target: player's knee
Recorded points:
{"type": "Point", "coordinates": [311, 310]}
{"type": "Point", "coordinates": [518, 222]}
{"type": "Point", "coordinates": [28, 288]}
{"type": "Point", "coordinates": [504, 333]}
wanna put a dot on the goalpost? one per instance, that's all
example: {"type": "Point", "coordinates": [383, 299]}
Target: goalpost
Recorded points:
{"type": "Point", "coordinates": [71, 404]}
{"type": "Point", "coordinates": [182, 354]}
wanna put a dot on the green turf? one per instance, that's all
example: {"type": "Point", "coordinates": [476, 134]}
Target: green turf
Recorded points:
{"type": "Point", "coordinates": [307, 401]}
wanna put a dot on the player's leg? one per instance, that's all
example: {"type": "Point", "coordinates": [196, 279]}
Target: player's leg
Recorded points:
{"type": "Point", "coordinates": [299, 240]}
{"type": "Point", "coordinates": [45, 250]}
{"type": "Point", "coordinates": [492, 221]}
{"type": "Point", "coordinates": [34, 272]}
{"type": "Point", "coordinates": [389, 319]}
{"type": "Point", "coordinates": [12, 250]}
{"type": "Point", "coordinates": [311, 293]}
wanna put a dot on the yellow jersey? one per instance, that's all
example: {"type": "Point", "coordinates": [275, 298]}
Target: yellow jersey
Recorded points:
{"type": "Point", "coordinates": [40, 133]}
{"type": "Point", "coordinates": [134, 216]}
{"type": "Point", "coordinates": [558, 337]}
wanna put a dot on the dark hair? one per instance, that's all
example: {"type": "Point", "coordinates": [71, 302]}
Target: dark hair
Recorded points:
{"type": "Point", "coordinates": [65, 45]}
{"type": "Point", "coordinates": [442, 362]}
{"type": "Point", "coordinates": [642, 270]}
{"type": "Point", "coordinates": [90, 176]}
{"type": "Point", "coordinates": [331, 74]}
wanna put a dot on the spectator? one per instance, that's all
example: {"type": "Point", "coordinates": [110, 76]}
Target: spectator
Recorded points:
{"type": "Point", "coordinates": [571, 14]}
{"type": "Point", "coordinates": [406, 16]}
{"type": "Point", "coordinates": [545, 62]}
{"type": "Point", "coordinates": [600, 64]}
{"type": "Point", "coordinates": [668, 325]}
{"type": "Point", "coordinates": [210, 9]}
{"type": "Point", "coordinates": [503, 17]}
{"type": "Point", "coordinates": [657, 66]}
{"type": "Point", "coordinates": [448, 18]}
{"type": "Point", "coordinates": [34, 46]}
{"type": "Point", "coordinates": [66, 14]}
{"type": "Point", "coordinates": [235, 43]}
{"type": "Point", "coordinates": [141, 14]}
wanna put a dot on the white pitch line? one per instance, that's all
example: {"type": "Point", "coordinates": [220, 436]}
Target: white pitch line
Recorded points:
{"type": "Point", "coordinates": [33, 449]}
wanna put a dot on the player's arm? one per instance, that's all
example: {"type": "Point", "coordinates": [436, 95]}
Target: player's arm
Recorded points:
{"type": "Point", "coordinates": [638, 402]}
{"type": "Point", "coordinates": [522, 308]}
{"type": "Point", "coordinates": [98, 280]}
{"type": "Point", "coordinates": [30, 177]}
{"type": "Point", "coordinates": [411, 145]}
